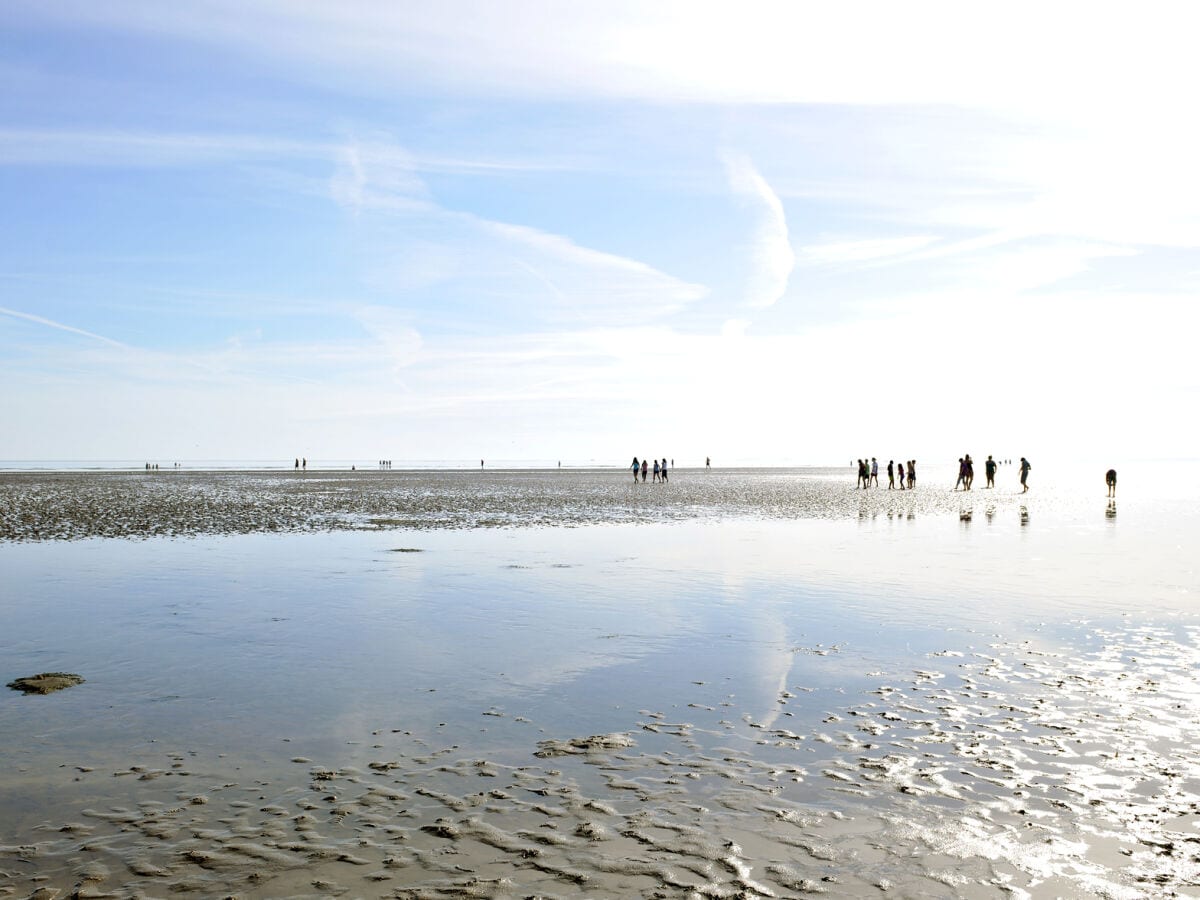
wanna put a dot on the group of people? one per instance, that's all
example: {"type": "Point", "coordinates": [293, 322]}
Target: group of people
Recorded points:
{"type": "Point", "coordinates": [643, 468]}
{"type": "Point", "coordinates": [904, 475]}
{"type": "Point", "coordinates": [899, 475]}
{"type": "Point", "coordinates": [301, 463]}
{"type": "Point", "coordinates": [385, 464]}
{"type": "Point", "coordinates": [966, 472]}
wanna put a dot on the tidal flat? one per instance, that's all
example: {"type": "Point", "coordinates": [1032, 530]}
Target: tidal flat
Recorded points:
{"type": "Point", "coordinates": [751, 684]}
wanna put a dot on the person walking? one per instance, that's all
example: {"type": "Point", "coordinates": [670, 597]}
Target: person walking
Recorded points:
{"type": "Point", "coordinates": [664, 470]}
{"type": "Point", "coordinates": [1025, 467]}
{"type": "Point", "coordinates": [891, 470]}
{"type": "Point", "coordinates": [989, 469]}
{"type": "Point", "coordinates": [637, 467]}
{"type": "Point", "coordinates": [1110, 478]}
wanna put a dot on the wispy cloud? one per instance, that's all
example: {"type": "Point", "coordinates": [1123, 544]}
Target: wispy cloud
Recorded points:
{"type": "Point", "coordinates": [772, 51]}
{"type": "Point", "coordinates": [377, 175]}
{"type": "Point", "coordinates": [143, 149]}
{"type": "Point", "coordinates": [862, 251]}
{"type": "Point", "coordinates": [155, 149]}
{"type": "Point", "coordinates": [50, 323]}
{"type": "Point", "coordinates": [770, 245]}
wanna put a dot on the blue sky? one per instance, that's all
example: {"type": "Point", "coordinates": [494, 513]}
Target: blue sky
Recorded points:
{"type": "Point", "coordinates": [532, 230]}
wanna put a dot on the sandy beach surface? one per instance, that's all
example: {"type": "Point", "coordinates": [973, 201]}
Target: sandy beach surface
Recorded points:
{"type": "Point", "coordinates": [744, 684]}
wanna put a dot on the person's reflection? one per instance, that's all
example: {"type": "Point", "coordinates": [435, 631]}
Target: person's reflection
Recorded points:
{"type": "Point", "coordinates": [1110, 511]}
{"type": "Point", "coordinates": [1024, 516]}
{"type": "Point", "coordinates": [965, 513]}
{"type": "Point", "coordinates": [990, 512]}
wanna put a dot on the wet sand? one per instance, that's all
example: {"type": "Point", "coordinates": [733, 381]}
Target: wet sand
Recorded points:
{"type": "Point", "coordinates": [1000, 773]}
{"type": "Point", "coordinates": [75, 505]}
{"type": "Point", "coordinates": [767, 707]}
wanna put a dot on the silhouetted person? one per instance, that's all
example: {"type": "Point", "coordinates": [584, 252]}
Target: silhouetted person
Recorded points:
{"type": "Point", "coordinates": [664, 469]}
{"type": "Point", "coordinates": [637, 467]}
{"type": "Point", "coordinates": [891, 470]}
{"type": "Point", "coordinates": [989, 469]}
{"type": "Point", "coordinates": [1110, 478]}
{"type": "Point", "coordinates": [1025, 467]}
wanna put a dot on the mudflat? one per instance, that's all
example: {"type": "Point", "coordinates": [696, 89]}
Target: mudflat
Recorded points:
{"type": "Point", "coordinates": [984, 698]}
{"type": "Point", "coordinates": [75, 505]}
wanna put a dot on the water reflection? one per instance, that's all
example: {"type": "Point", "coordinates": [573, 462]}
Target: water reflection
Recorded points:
{"type": "Point", "coordinates": [558, 633]}
{"type": "Point", "coordinates": [1110, 512]}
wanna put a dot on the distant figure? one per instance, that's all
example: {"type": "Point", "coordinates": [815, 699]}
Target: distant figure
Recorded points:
{"type": "Point", "coordinates": [912, 474]}
{"type": "Point", "coordinates": [970, 475]}
{"type": "Point", "coordinates": [900, 472]}
{"type": "Point", "coordinates": [656, 471]}
{"type": "Point", "coordinates": [962, 473]}
{"type": "Point", "coordinates": [664, 470]}
{"type": "Point", "coordinates": [304, 463]}
{"type": "Point", "coordinates": [989, 469]}
{"type": "Point", "coordinates": [707, 462]}
{"type": "Point", "coordinates": [645, 469]}
{"type": "Point", "coordinates": [891, 470]}
{"type": "Point", "coordinates": [874, 471]}
{"type": "Point", "coordinates": [1025, 467]}
{"type": "Point", "coordinates": [637, 467]}
{"type": "Point", "coordinates": [1110, 478]}
{"type": "Point", "coordinates": [481, 465]}
{"type": "Point", "coordinates": [297, 462]}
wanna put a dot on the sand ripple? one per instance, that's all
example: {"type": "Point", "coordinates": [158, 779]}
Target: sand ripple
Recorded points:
{"type": "Point", "coordinates": [1012, 771]}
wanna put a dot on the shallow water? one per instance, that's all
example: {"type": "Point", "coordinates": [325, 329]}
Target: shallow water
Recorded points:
{"type": "Point", "coordinates": [805, 689]}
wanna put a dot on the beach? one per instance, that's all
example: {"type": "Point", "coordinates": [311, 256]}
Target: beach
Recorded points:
{"type": "Point", "coordinates": [746, 683]}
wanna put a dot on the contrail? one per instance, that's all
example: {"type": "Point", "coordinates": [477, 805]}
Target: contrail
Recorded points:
{"type": "Point", "coordinates": [50, 323]}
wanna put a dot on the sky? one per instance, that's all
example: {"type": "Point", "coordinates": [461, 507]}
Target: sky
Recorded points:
{"type": "Point", "coordinates": [757, 232]}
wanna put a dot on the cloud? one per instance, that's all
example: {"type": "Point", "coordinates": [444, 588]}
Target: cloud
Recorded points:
{"type": "Point", "coordinates": [49, 323]}
{"type": "Point", "coordinates": [378, 175]}
{"type": "Point", "coordinates": [770, 51]}
{"type": "Point", "coordinates": [393, 329]}
{"type": "Point", "coordinates": [861, 251]}
{"type": "Point", "coordinates": [770, 246]}
{"type": "Point", "coordinates": [129, 148]}
{"type": "Point", "coordinates": [584, 279]}
{"type": "Point", "coordinates": [144, 149]}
